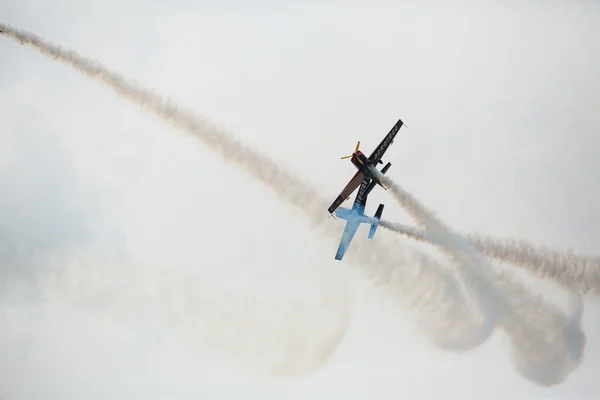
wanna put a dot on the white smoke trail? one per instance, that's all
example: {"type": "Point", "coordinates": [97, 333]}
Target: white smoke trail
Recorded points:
{"type": "Point", "coordinates": [431, 292]}
{"type": "Point", "coordinates": [288, 187]}
{"type": "Point", "coordinates": [547, 345]}
{"type": "Point", "coordinates": [574, 272]}
{"type": "Point", "coordinates": [208, 319]}
{"type": "Point", "coordinates": [471, 265]}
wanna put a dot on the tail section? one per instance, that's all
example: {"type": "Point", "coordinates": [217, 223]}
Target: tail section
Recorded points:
{"type": "Point", "coordinates": [376, 218]}
{"type": "Point", "coordinates": [373, 183]}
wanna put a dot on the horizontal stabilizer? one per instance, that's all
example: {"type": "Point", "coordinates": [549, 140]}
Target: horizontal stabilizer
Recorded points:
{"type": "Point", "coordinates": [384, 169]}
{"type": "Point", "coordinates": [375, 224]}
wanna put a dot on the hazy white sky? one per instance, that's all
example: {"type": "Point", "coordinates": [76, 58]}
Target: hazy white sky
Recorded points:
{"type": "Point", "coordinates": [500, 103]}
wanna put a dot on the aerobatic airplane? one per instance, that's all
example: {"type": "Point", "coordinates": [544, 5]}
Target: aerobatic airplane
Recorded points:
{"type": "Point", "coordinates": [356, 215]}
{"type": "Point", "coordinates": [365, 166]}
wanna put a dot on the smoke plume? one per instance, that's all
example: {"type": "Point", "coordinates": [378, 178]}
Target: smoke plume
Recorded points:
{"type": "Point", "coordinates": [456, 308]}
{"type": "Point", "coordinates": [207, 319]}
{"type": "Point", "coordinates": [547, 345]}
{"type": "Point", "coordinates": [577, 273]}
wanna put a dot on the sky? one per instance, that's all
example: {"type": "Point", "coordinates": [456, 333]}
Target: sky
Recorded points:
{"type": "Point", "coordinates": [136, 263]}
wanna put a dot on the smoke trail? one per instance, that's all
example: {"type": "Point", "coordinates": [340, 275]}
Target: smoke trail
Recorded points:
{"type": "Point", "coordinates": [288, 187]}
{"type": "Point", "coordinates": [471, 265]}
{"type": "Point", "coordinates": [385, 262]}
{"type": "Point", "coordinates": [208, 319]}
{"type": "Point", "coordinates": [574, 272]}
{"type": "Point", "coordinates": [552, 344]}
{"type": "Point", "coordinates": [547, 345]}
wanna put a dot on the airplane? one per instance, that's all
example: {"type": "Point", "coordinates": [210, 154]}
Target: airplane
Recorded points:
{"type": "Point", "coordinates": [365, 166]}
{"type": "Point", "coordinates": [356, 215]}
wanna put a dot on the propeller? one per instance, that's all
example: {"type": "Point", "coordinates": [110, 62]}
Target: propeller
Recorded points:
{"type": "Point", "coordinates": [355, 150]}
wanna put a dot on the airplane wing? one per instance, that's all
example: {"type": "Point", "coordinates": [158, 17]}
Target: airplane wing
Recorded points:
{"type": "Point", "coordinates": [350, 187]}
{"type": "Point", "coordinates": [385, 143]}
{"type": "Point", "coordinates": [347, 236]}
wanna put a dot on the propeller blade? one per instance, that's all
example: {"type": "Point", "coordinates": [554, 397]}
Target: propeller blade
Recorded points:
{"type": "Point", "coordinates": [343, 158]}
{"type": "Point", "coordinates": [357, 146]}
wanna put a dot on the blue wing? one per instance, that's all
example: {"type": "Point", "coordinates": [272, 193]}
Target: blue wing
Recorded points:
{"type": "Point", "coordinates": [349, 232]}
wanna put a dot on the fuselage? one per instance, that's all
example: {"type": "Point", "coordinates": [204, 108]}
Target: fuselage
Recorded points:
{"type": "Point", "coordinates": [362, 163]}
{"type": "Point", "coordinates": [359, 160]}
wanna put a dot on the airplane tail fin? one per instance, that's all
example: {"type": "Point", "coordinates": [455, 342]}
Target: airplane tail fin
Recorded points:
{"type": "Point", "coordinates": [383, 171]}
{"type": "Point", "coordinates": [375, 224]}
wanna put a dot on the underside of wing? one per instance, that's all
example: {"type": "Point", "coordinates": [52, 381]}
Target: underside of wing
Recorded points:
{"type": "Point", "coordinates": [350, 187]}
{"type": "Point", "coordinates": [347, 236]}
